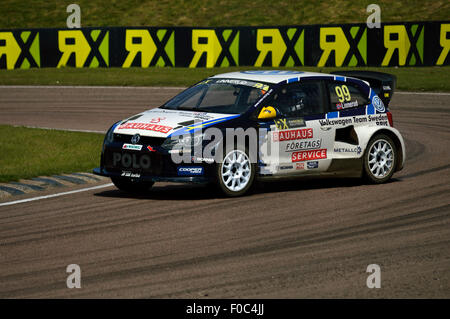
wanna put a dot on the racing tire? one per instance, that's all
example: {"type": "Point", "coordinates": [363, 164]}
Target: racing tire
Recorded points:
{"type": "Point", "coordinates": [131, 186]}
{"type": "Point", "coordinates": [236, 173]}
{"type": "Point", "coordinates": [380, 159]}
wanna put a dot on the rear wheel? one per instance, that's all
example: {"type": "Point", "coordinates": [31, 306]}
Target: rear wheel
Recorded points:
{"type": "Point", "coordinates": [236, 173]}
{"type": "Point", "coordinates": [131, 186]}
{"type": "Point", "coordinates": [380, 159]}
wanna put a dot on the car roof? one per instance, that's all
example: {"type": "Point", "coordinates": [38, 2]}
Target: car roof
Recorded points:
{"type": "Point", "coordinates": [270, 76]}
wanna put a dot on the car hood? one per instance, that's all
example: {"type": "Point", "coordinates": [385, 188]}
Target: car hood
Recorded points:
{"type": "Point", "coordinates": [165, 123]}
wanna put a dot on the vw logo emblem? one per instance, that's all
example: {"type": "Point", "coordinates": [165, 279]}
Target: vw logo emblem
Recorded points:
{"type": "Point", "coordinates": [135, 138]}
{"type": "Point", "coordinates": [378, 104]}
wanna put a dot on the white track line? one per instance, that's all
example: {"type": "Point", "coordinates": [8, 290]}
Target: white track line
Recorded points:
{"type": "Point", "coordinates": [56, 195]}
{"type": "Point", "coordinates": [61, 129]}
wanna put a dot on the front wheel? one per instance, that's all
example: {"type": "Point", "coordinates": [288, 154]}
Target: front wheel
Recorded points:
{"type": "Point", "coordinates": [131, 186]}
{"type": "Point", "coordinates": [236, 173]}
{"type": "Point", "coordinates": [380, 159]}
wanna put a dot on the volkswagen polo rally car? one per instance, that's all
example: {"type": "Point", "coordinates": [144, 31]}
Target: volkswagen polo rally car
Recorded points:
{"type": "Point", "coordinates": [233, 128]}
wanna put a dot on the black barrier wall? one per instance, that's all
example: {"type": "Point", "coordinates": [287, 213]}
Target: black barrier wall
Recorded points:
{"type": "Point", "coordinates": [394, 44]}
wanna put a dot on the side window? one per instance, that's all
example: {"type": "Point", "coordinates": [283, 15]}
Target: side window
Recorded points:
{"type": "Point", "coordinates": [345, 95]}
{"type": "Point", "coordinates": [299, 99]}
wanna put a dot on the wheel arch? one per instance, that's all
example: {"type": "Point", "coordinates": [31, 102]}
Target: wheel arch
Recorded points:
{"type": "Point", "coordinates": [365, 136]}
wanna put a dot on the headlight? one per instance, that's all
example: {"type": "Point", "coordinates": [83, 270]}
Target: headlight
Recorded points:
{"type": "Point", "coordinates": [191, 140]}
{"type": "Point", "coordinates": [109, 137]}
{"type": "Point", "coordinates": [183, 141]}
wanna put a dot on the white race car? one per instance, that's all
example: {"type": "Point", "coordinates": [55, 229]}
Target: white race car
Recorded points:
{"type": "Point", "coordinates": [233, 128]}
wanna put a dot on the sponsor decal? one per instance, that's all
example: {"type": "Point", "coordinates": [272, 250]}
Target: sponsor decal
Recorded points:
{"type": "Point", "coordinates": [378, 104]}
{"type": "Point", "coordinates": [284, 124]}
{"type": "Point", "coordinates": [208, 160]}
{"type": "Point", "coordinates": [379, 119]}
{"type": "Point", "coordinates": [309, 155]}
{"type": "Point", "coordinates": [151, 149]}
{"type": "Point", "coordinates": [133, 147]}
{"type": "Point", "coordinates": [386, 88]}
{"type": "Point", "coordinates": [357, 120]}
{"type": "Point", "coordinates": [130, 174]}
{"type": "Point", "coordinates": [157, 120]}
{"type": "Point", "coordinates": [190, 170]}
{"type": "Point", "coordinates": [264, 87]}
{"type": "Point", "coordinates": [281, 124]}
{"type": "Point", "coordinates": [196, 115]}
{"type": "Point", "coordinates": [340, 121]}
{"type": "Point", "coordinates": [341, 106]}
{"type": "Point", "coordinates": [145, 126]}
{"type": "Point", "coordinates": [293, 135]}
{"type": "Point", "coordinates": [286, 167]}
{"type": "Point", "coordinates": [293, 123]}
{"type": "Point", "coordinates": [202, 116]}
{"type": "Point", "coordinates": [356, 150]}
{"type": "Point", "coordinates": [303, 145]}
{"type": "Point", "coordinates": [131, 160]}
{"type": "Point", "coordinates": [231, 81]}
{"type": "Point", "coordinates": [300, 166]}
{"type": "Point", "coordinates": [312, 165]}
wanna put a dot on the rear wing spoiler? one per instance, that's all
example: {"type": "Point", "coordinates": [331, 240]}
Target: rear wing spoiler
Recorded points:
{"type": "Point", "coordinates": [382, 83]}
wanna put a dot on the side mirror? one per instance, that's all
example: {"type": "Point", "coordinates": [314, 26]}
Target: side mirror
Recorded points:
{"type": "Point", "coordinates": [267, 112]}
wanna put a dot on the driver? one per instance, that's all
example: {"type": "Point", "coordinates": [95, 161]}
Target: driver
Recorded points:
{"type": "Point", "coordinates": [289, 102]}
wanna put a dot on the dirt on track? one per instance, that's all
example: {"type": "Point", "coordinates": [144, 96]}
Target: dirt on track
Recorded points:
{"type": "Point", "coordinates": [301, 239]}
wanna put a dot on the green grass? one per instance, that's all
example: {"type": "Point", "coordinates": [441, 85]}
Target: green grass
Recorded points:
{"type": "Point", "coordinates": [29, 152]}
{"type": "Point", "coordinates": [52, 13]}
{"type": "Point", "coordinates": [408, 78]}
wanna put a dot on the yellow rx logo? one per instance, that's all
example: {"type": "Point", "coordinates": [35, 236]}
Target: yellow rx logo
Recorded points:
{"type": "Point", "coordinates": [349, 45]}
{"type": "Point", "coordinates": [407, 42]}
{"type": "Point", "coordinates": [156, 48]}
{"type": "Point", "coordinates": [279, 47]}
{"type": "Point", "coordinates": [281, 124]}
{"type": "Point", "coordinates": [215, 48]}
{"type": "Point", "coordinates": [83, 49]}
{"type": "Point", "coordinates": [19, 49]}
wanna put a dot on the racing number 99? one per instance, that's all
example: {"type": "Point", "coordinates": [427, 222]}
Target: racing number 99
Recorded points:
{"type": "Point", "coordinates": [343, 93]}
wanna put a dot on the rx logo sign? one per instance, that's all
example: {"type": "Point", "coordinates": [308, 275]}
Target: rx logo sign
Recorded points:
{"type": "Point", "coordinates": [19, 50]}
{"type": "Point", "coordinates": [220, 48]}
{"type": "Point", "coordinates": [155, 48]}
{"type": "Point", "coordinates": [88, 49]}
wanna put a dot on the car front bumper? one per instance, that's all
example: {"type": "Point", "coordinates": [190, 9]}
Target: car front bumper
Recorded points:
{"type": "Point", "coordinates": [147, 178]}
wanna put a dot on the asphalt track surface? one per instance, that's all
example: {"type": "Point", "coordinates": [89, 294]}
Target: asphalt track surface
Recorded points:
{"type": "Point", "coordinates": [301, 239]}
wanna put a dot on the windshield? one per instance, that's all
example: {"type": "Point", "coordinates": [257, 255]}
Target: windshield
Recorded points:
{"type": "Point", "coordinates": [219, 96]}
